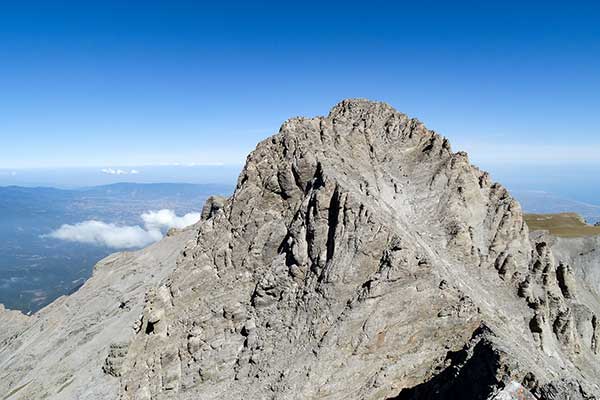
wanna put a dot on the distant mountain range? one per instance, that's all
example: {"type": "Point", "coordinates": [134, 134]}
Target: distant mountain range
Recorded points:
{"type": "Point", "coordinates": [77, 177]}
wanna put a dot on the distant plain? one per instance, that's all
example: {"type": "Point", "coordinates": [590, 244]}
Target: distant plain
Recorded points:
{"type": "Point", "coordinates": [563, 224]}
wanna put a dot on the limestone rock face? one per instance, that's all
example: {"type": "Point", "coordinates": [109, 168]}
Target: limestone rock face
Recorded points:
{"type": "Point", "coordinates": [212, 205]}
{"type": "Point", "coordinates": [75, 347]}
{"type": "Point", "coordinates": [583, 255]}
{"type": "Point", "coordinates": [359, 258]}
{"type": "Point", "coordinates": [12, 323]}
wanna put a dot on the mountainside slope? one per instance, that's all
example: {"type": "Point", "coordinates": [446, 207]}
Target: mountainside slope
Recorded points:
{"type": "Point", "coordinates": [61, 351]}
{"type": "Point", "coordinates": [359, 257]}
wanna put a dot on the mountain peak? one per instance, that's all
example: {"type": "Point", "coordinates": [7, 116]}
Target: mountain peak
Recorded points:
{"type": "Point", "coordinates": [358, 257]}
{"type": "Point", "coordinates": [360, 106]}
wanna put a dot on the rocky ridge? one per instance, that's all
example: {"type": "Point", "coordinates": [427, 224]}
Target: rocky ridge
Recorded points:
{"type": "Point", "coordinates": [69, 349]}
{"type": "Point", "coordinates": [582, 255]}
{"type": "Point", "coordinates": [359, 257]}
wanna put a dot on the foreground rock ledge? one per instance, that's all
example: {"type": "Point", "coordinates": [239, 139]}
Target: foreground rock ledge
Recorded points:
{"type": "Point", "coordinates": [359, 258]}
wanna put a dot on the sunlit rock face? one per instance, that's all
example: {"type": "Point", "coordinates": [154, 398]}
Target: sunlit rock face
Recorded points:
{"type": "Point", "coordinates": [359, 258]}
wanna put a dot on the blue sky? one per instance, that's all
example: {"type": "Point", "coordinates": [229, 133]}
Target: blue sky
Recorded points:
{"type": "Point", "coordinates": [148, 83]}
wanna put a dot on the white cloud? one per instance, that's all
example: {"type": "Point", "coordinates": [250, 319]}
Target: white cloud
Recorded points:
{"type": "Point", "coordinates": [112, 171]}
{"type": "Point", "coordinates": [124, 237]}
{"type": "Point", "coordinates": [109, 235]}
{"type": "Point", "coordinates": [165, 219]}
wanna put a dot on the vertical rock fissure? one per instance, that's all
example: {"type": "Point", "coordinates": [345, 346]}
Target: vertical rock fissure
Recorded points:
{"type": "Point", "coordinates": [332, 222]}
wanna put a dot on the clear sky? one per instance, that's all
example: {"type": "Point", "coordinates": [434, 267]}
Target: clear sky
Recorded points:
{"type": "Point", "coordinates": [104, 84]}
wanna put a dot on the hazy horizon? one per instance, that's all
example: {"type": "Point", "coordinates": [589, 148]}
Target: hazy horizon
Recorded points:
{"type": "Point", "coordinates": [577, 181]}
{"type": "Point", "coordinates": [74, 177]}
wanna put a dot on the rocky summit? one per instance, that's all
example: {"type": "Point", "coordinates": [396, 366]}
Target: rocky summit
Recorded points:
{"type": "Point", "coordinates": [358, 258]}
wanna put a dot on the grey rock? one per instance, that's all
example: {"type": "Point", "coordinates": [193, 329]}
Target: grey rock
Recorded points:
{"type": "Point", "coordinates": [582, 254]}
{"type": "Point", "coordinates": [12, 323]}
{"type": "Point", "coordinates": [75, 348]}
{"type": "Point", "coordinates": [115, 358]}
{"type": "Point", "coordinates": [359, 257]}
{"type": "Point", "coordinates": [513, 391]}
{"type": "Point", "coordinates": [212, 205]}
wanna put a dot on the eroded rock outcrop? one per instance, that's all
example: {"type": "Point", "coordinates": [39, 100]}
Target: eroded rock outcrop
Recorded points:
{"type": "Point", "coordinates": [12, 323]}
{"type": "Point", "coordinates": [212, 205]}
{"type": "Point", "coordinates": [356, 254]}
{"type": "Point", "coordinates": [360, 258]}
{"type": "Point", "coordinates": [582, 255]}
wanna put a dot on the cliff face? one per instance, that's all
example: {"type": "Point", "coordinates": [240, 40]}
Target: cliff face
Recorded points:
{"type": "Point", "coordinates": [359, 257]}
{"type": "Point", "coordinates": [583, 254]}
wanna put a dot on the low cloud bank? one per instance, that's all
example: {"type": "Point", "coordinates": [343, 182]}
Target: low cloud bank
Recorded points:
{"type": "Point", "coordinates": [167, 219]}
{"type": "Point", "coordinates": [109, 235]}
{"type": "Point", "coordinates": [125, 237]}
